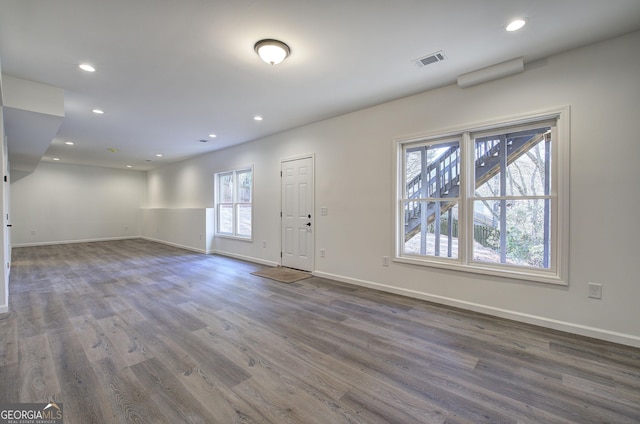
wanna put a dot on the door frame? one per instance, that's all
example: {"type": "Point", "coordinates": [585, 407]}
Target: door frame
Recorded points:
{"type": "Point", "coordinates": [311, 156]}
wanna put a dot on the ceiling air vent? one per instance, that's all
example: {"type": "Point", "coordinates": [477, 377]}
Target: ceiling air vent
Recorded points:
{"type": "Point", "coordinates": [429, 59]}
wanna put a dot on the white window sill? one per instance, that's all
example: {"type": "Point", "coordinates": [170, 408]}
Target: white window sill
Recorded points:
{"type": "Point", "coordinates": [232, 237]}
{"type": "Point", "coordinates": [504, 271]}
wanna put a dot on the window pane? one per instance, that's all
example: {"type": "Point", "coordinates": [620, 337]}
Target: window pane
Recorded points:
{"type": "Point", "coordinates": [526, 241]}
{"type": "Point", "coordinates": [244, 220]}
{"type": "Point", "coordinates": [244, 186]}
{"type": "Point", "coordinates": [487, 166]}
{"type": "Point", "coordinates": [434, 232]}
{"type": "Point", "coordinates": [513, 164]}
{"type": "Point", "coordinates": [528, 175]}
{"type": "Point", "coordinates": [225, 188]}
{"type": "Point", "coordinates": [432, 171]}
{"type": "Point", "coordinates": [225, 219]}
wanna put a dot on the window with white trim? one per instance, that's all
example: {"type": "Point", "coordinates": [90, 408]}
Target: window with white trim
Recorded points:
{"type": "Point", "coordinates": [234, 194]}
{"type": "Point", "coordinates": [490, 199]}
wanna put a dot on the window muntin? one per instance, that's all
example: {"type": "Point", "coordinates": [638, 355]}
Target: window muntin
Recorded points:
{"type": "Point", "coordinates": [234, 193]}
{"type": "Point", "coordinates": [507, 215]}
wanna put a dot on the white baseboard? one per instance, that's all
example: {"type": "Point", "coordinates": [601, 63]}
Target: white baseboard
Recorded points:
{"type": "Point", "coordinates": [568, 327]}
{"type": "Point", "coordinates": [179, 246]}
{"type": "Point", "coordinates": [4, 309]}
{"type": "Point", "coordinates": [49, 243]}
{"type": "Point", "coordinates": [246, 258]}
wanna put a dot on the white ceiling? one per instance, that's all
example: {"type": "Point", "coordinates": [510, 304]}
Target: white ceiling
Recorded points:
{"type": "Point", "coordinates": [171, 72]}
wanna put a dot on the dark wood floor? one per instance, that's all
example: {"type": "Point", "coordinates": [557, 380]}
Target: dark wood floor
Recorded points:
{"type": "Point", "coordinates": [134, 331]}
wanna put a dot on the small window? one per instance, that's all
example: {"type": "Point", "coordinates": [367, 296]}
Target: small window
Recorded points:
{"type": "Point", "coordinates": [234, 192]}
{"type": "Point", "coordinates": [490, 200]}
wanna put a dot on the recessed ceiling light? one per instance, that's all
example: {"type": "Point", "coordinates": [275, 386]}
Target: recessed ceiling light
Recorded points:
{"type": "Point", "coordinates": [257, 118]}
{"type": "Point", "coordinates": [158, 155]}
{"type": "Point", "coordinates": [98, 111]}
{"type": "Point", "coordinates": [86, 67]}
{"type": "Point", "coordinates": [212, 135]}
{"type": "Point", "coordinates": [129, 166]}
{"type": "Point", "coordinates": [515, 25]}
{"type": "Point", "coordinates": [69, 143]}
{"type": "Point", "coordinates": [56, 158]}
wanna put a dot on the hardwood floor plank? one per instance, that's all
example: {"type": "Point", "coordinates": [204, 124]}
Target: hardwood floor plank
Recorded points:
{"type": "Point", "coordinates": [131, 349]}
{"type": "Point", "coordinates": [172, 401]}
{"type": "Point", "coordinates": [10, 387]}
{"type": "Point", "coordinates": [8, 340]}
{"type": "Point", "coordinates": [92, 337]}
{"type": "Point", "coordinates": [135, 331]}
{"type": "Point", "coordinates": [223, 405]}
{"type": "Point", "coordinates": [372, 409]}
{"type": "Point", "coordinates": [309, 369]}
{"type": "Point", "coordinates": [129, 400]}
{"type": "Point", "coordinates": [38, 381]}
{"type": "Point", "coordinates": [78, 382]}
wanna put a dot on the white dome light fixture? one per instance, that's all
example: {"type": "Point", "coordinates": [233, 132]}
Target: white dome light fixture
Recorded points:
{"type": "Point", "coordinates": [272, 51]}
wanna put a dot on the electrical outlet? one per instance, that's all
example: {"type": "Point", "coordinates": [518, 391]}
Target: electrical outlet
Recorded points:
{"type": "Point", "coordinates": [322, 253]}
{"type": "Point", "coordinates": [385, 261]}
{"type": "Point", "coordinates": [595, 291]}
{"type": "Point", "coordinates": [264, 243]}
{"type": "Point", "coordinates": [33, 232]}
{"type": "Point", "coordinates": [126, 228]}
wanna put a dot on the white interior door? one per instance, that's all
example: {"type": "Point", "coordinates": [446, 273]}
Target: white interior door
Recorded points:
{"type": "Point", "coordinates": [297, 213]}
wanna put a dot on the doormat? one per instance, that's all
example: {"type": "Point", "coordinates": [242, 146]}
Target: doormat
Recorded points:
{"type": "Point", "coordinates": [282, 274]}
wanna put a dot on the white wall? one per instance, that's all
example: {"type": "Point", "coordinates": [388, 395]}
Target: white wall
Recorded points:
{"type": "Point", "coordinates": [60, 203]}
{"type": "Point", "coordinates": [600, 83]}
{"type": "Point", "coordinates": [4, 280]}
{"type": "Point", "coordinates": [187, 228]}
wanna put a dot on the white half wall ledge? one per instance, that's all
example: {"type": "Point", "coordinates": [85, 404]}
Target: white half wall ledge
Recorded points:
{"type": "Point", "coordinates": [490, 73]}
{"type": "Point", "coordinates": [567, 327]}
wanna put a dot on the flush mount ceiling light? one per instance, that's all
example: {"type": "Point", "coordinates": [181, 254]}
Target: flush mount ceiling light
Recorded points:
{"type": "Point", "coordinates": [272, 51]}
{"type": "Point", "coordinates": [515, 25]}
{"type": "Point", "coordinates": [98, 111]}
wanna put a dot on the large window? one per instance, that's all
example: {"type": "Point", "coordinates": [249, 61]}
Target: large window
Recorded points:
{"type": "Point", "coordinates": [489, 199]}
{"type": "Point", "coordinates": [234, 203]}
